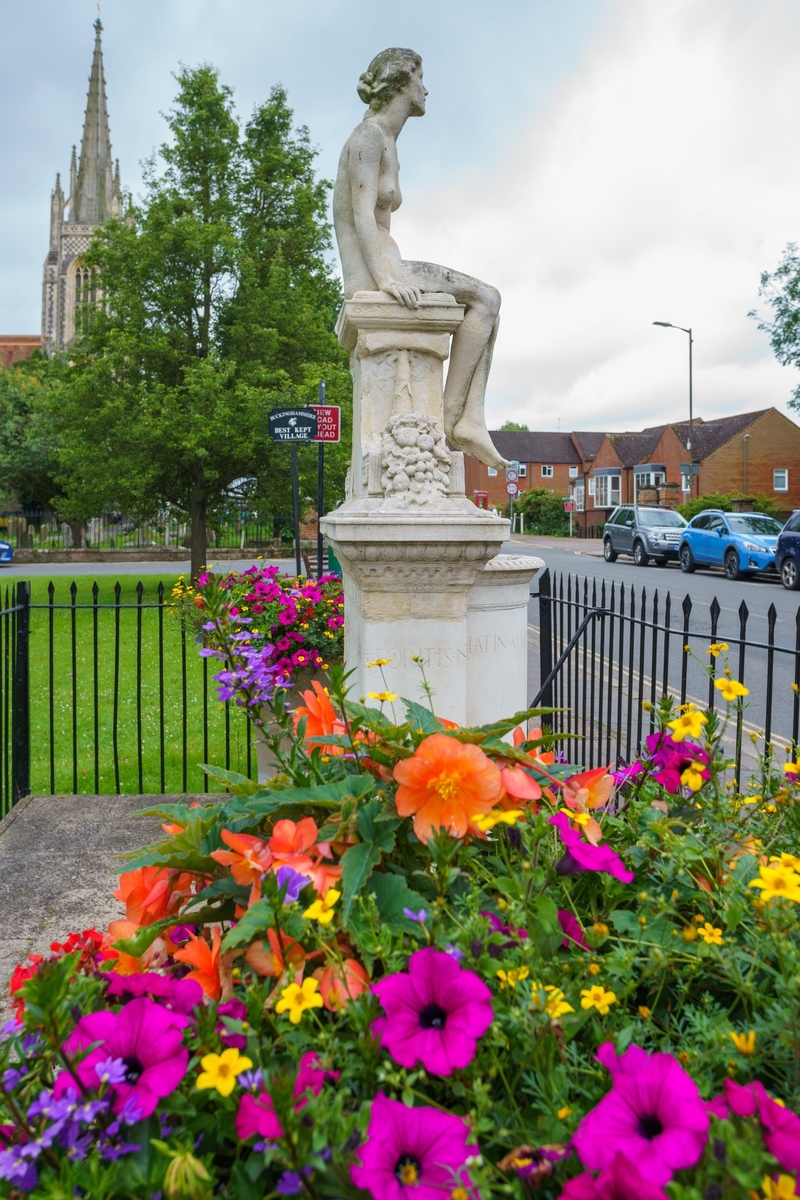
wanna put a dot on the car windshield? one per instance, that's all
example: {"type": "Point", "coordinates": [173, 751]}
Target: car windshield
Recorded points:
{"type": "Point", "coordinates": [766, 526]}
{"type": "Point", "coordinates": [661, 516]}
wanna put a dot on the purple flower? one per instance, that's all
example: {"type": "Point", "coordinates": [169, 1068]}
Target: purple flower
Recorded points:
{"type": "Point", "coordinates": [12, 1077]}
{"type": "Point", "coordinates": [671, 758]}
{"type": "Point", "coordinates": [625, 774]}
{"type": "Point", "coordinates": [179, 995]}
{"type": "Point", "coordinates": [148, 1039]}
{"type": "Point", "coordinates": [621, 1181]}
{"type": "Point", "coordinates": [412, 1152]}
{"type": "Point", "coordinates": [434, 1014]}
{"type": "Point", "coordinates": [572, 930]}
{"type": "Point", "coordinates": [497, 926]}
{"type": "Point", "coordinates": [583, 856]}
{"type": "Point", "coordinates": [653, 1116]}
{"type": "Point", "coordinates": [454, 951]}
{"type": "Point", "coordinates": [251, 1081]}
{"type": "Point", "coordinates": [293, 881]}
{"type": "Point", "coordinates": [420, 916]}
{"type": "Point", "coordinates": [11, 1029]}
{"type": "Point", "coordinates": [290, 1183]}
{"type": "Point", "coordinates": [111, 1070]}
{"type": "Point", "coordinates": [16, 1169]}
{"type": "Point", "coordinates": [236, 1010]}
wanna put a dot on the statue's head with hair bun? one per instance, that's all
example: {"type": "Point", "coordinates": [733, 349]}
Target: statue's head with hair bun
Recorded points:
{"type": "Point", "coordinates": [388, 72]}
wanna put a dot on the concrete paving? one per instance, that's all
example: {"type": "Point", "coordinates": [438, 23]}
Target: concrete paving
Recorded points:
{"type": "Point", "coordinates": [60, 857]}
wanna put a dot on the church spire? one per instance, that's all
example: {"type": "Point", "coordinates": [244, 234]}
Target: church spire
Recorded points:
{"type": "Point", "coordinates": [93, 192]}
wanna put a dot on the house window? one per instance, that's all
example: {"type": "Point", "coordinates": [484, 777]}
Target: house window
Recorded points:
{"type": "Point", "coordinates": [492, 472]}
{"type": "Point", "coordinates": [547, 472]}
{"type": "Point", "coordinates": [649, 479]}
{"type": "Point", "coordinates": [579, 495]}
{"type": "Point", "coordinates": [573, 472]}
{"type": "Point", "coordinates": [780, 479]}
{"type": "Point", "coordinates": [523, 470]}
{"type": "Point", "coordinates": [607, 491]}
{"type": "Point", "coordinates": [591, 487]}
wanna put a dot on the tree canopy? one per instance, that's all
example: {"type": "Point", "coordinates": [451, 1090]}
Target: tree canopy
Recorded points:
{"type": "Point", "coordinates": [513, 427]}
{"type": "Point", "coordinates": [28, 452]}
{"type": "Point", "coordinates": [218, 304]}
{"type": "Point", "coordinates": [781, 290]}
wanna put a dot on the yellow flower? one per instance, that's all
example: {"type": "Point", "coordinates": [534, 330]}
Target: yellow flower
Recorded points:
{"type": "Point", "coordinates": [717, 648]}
{"type": "Point", "coordinates": [745, 1043]}
{"type": "Point", "coordinates": [710, 935]}
{"type": "Point", "coordinates": [322, 908]}
{"type": "Point", "coordinates": [689, 724]}
{"type": "Point", "coordinates": [731, 689]}
{"type": "Point", "coordinates": [296, 999]}
{"type": "Point", "coordinates": [563, 1113]}
{"type": "Point", "coordinates": [787, 860]}
{"type": "Point", "coordinates": [597, 997]}
{"type": "Point", "coordinates": [220, 1070]}
{"type": "Point", "coordinates": [792, 768]}
{"type": "Point", "coordinates": [550, 999]}
{"type": "Point", "coordinates": [594, 968]}
{"type": "Point", "coordinates": [379, 662]}
{"type": "Point", "coordinates": [577, 818]}
{"type": "Point", "coordinates": [599, 929]}
{"type": "Point", "coordinates": [684, 1056]}
{"type": "Point", "coordinates": [689, 933]}
{"type": "Point", "coordinates": [382, 696]}
{"type": "Point", "coordinates": [692, 777]}
{"type": "Point", "coordinates": [782, 1188]}
{"type": "Point", "coordinates": [487, 821]}
{"type": "Point", "coordinates": [777, 880]}
{"type": "Point", "coordinates": [795, 688]}
{"type": "Point", "coordinates": [644, 1012]}
{"type": "Point", "coordinates": [512, 978]}
{"type": "Point", "coordinates": [459, 1193]}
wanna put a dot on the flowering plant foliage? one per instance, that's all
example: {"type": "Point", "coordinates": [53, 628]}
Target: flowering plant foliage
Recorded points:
{"type": "Point", "coordinates": [426, 962]}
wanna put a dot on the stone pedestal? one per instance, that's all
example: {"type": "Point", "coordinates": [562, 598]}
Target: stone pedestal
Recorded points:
{"type": "Point", "coordinates": [421, 564]}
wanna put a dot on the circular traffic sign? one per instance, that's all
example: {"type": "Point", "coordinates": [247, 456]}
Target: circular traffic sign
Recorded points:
{"type": "Point", "coordinates": [511, 475]}
{"type": "Point", "coordinates": [512, 489]}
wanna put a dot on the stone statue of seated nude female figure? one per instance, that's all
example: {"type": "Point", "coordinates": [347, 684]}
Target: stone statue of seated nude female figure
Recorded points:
{"type": "Point", "coordinates": [366, 193]}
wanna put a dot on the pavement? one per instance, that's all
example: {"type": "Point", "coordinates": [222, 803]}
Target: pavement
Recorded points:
{"type": "Point", "coordinates": [60, 858]}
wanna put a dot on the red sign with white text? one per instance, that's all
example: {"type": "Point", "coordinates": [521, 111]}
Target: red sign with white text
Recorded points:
{"type": "Point", "coordinates": [329, 422]}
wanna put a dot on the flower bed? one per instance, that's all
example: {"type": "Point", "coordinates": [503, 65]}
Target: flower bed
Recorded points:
{"type": "Point", "coordinates": [428, 963]}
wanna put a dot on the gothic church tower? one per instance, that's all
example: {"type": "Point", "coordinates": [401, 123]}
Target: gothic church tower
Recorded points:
{"type": "Point", "coordinates": [94, 196]}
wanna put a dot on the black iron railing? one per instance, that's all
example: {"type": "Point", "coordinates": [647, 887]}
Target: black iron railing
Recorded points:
{"type": "Point", "coordinates": [605, 649]}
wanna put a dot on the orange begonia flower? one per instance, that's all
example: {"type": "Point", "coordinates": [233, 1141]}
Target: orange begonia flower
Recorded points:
{"type": "Point", "coordinates": [444, 784]}
{"type": "Point", "coordinates": [321, 719]}
{"type": "Point", "coordinates": [590, 789]}
{"type": "Point", "coordinates": [152, 893]}
{"type": "Point", "coordinates": [205, 960]}
{"type": "Point", "coordinates": [518, 785]}
{"type": "Point", "coordinates": [290, 841]}
{"type": "Point", "coordinates": [534, 735]}
{"type": "Point", "coordinates": [120, 961]}
{"type": "Point", "coordinates": [248, 859]}
{"type": "Point", "coordinates": [340, 983]}
{"type": "Point", "coordinates": [273, 961]}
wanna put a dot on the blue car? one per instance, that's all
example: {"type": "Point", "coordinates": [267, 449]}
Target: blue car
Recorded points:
{"type": "Point", "coordinates": [740, 543]}
{"type": "Point", "coordinates": [6, 552]}
{"type": "Point", "coordinates": [787, 556]}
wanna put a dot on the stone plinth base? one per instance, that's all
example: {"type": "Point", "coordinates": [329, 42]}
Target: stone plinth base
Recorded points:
{"type": "Point", "coordinates": [433, 585]}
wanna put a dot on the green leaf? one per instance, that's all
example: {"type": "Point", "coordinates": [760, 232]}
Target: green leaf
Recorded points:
{"type": "Point", "coordinates": [392, 894]}
{"type": "Point", "coordinates": [326, 795]}
{"type": "Point", "coordinates": [256, 921]}
{"type": "Point", "coordinates": [421, 717]}
{"type": "Point", "coordinates": [143, 939]}
{"type": "Point", "coordinates": [376, 826]}
{"type": "Point", "coordinates": [181, 851]}
{"type": "Point", "coordinates": [358, 863]}
{"type": "Point", "coordinates": [227, 887]}
{"type": "Point", "coordinates": [239, 785]}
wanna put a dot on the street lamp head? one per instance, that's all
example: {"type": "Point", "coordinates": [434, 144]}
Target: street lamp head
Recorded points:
{"type": "Point", "coordinates": [665, 324]}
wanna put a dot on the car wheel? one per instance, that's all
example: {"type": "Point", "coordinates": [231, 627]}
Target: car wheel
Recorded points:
{"type": "Point", "coordinates": [688, 564]}
{"type": "Point", "coordinates": [732, 568]}
{"type": "Point", "coordinates": [609, 553]}
{"type": "Point", "coordinates": [640, 555]}
{"type": "Point", "coordinates": [661, 560]}
{"type": "Point", "coordinates": [790, 575]}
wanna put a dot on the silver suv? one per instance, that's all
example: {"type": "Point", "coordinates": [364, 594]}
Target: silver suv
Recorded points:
{"type": "Point", "coordinates": [644, 533]}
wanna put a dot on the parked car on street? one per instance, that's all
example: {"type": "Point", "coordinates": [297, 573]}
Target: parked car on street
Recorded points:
{"type": "Point", "coordinates": [740, 543]}
{"type": "Point", "coordinates": [787, 553]}
{"type": "Point", "coordinates": [6, 552]}
{"type": "Point", "coordinates": [644, 532]}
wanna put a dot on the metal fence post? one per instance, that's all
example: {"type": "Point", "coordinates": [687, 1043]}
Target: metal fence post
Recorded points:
{"type": "Point", "coordinates": [546, 642]}
{"type": "Point", "coordinates": [20, 699]}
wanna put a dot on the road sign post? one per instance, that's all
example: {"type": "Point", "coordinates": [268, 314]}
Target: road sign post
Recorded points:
{"type": "Point", "coordinates": [329, 429]}
{"type": "Point", "coordinates": [294, 425]}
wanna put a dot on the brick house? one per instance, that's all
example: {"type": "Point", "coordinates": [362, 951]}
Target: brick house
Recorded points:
{"type": "Point", "coordinates": [555, 461]}
{"type": "Point", "coordinates": [16, 346]}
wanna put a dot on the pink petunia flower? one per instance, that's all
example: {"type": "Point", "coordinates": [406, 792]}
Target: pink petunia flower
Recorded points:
{"type": "Point", "coordinates": [147, 1038]}
{"type": "Point", "coordinates": [781, 1127]}
{"type": "Point", "coordinates": [434, 1014]}
{"type": "Point", "coordinates": [179, 995]}
{"type": "Point", "coordinates": [619, 1181]}
{"type": "Point", "coordinates": [670, 759]}
{"type": "Point", "coordinates": [653, 1115]}
{"type": "Point", "coordinates": [256, 1114]}
{"type": "Point", "coordinates": [412, 1153]}
{"type": "Point", "coordinates": [572, 930]}
{"type": "Point", "coordinates": [583, 856]}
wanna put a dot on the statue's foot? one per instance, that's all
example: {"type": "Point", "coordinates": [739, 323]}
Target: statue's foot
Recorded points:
{"type": "Point", "coordinates": [473, 438]}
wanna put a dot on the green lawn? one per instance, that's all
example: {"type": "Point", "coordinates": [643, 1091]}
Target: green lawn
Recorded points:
{"type": "Point", "coordinates": [129, 686]}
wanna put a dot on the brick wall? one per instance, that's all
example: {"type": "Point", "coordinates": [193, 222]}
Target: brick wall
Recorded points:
{"type": "Point", "coordinates": [477, 478]}
{"type": "Point", "coordinates": [774, 442]}
{"type": "Point", "coordinates": [15, 347]}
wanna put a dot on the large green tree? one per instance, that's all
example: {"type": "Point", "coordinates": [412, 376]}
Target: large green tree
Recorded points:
{"type": "Point", "coordinates": [781, 290]}
{"type": "Point", "coordinates": [218, 305]}
{"type": "Point", "coordinates": [28, 452]}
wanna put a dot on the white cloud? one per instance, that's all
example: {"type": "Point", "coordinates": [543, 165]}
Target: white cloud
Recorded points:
{"type": "Point", "coordinates": [658, 182]}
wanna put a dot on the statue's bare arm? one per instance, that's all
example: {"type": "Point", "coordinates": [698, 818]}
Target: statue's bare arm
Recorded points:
{"type": "Point", "coordinates": [364, 163]}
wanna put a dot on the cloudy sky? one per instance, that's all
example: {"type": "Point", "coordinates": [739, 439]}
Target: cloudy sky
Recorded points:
{"type": "Point", "coordinates": [605, 163]}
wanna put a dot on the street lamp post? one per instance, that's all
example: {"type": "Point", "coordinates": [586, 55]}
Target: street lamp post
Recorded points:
{"type": "Point", "coordinates": [669, 325]}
